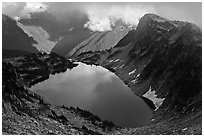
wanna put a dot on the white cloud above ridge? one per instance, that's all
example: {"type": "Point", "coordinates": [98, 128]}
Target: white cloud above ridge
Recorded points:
{"type": "Point", "coordinates": [102, 18]}
{"type": "Point", "coordinates": [35, 7]}
{"type": "Point", "coordinates": [99, 14]}
{"type": "Point", "coordinates": [22, 10]}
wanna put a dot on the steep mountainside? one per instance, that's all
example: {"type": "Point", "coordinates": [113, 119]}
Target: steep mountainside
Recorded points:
{"type": "Point", "coordinates": [61, 35]}
{"type": "Point", "coordinates": [69, 41]}
{"type": "Point", "coordinates": [101, 40]}
{"type": "Point", "coordinates": [162, 61]}
{"type": "Point", "coordinates": [39, 35]}
{"type": "Point", "coordinates": [6, 53]}
{"type": "Point", "coordinates": [14, 38]}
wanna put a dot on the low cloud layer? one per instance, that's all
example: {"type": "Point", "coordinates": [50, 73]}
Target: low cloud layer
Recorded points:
{"type": "Point", "coordinates": [19, 10]}
{"type": "Point", "coordinates": [102, 18]}
{"type": "Point", "coordinates": [34, 7]}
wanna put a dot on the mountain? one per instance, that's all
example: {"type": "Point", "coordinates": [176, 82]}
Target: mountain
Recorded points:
{"type": "Point", "coordinates": [40, 36]}
{"type": "Point", "coordinates": [14, 38]}
{"type": "Point", "coordinates": [54, 34]}
{"type": "Point", "coordinates": [13, 53]}
{"type": "Point", "coordinates": [161, 61]}
{"type": "Point", "coordinates": [65, 36]}
{"type": "Point", "coordinates": [101, 40]}
{"type": "Point", "coordinates": [69, 41]}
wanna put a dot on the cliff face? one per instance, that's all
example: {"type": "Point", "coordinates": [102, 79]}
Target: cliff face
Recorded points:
{"type": "Point", "coordinates": [162, 61]}
{"type": "Point", "coordinates": [14, 39]}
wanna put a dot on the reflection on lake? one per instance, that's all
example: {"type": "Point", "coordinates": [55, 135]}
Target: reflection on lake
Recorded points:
{"type": "Point", "coordinates": [98, 90]}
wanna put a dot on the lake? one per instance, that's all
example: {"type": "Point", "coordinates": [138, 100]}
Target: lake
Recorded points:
{"type": "Point", "coordinates": [98, 90]}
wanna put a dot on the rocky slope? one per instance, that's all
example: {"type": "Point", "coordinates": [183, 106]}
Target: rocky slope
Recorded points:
{"type": "Point", "coordinates": [56, 34]}
{"type": "Point", "coordinates": [25, 112]}
{"type": "Point", "coordinates": [161, 61]}
{"type": "Point", "coordinates": [40, 35]}
{"type": "Point", "coordinates": [14, 39]}
{"type": "Point", "coordinates": [70, 40]}
{"type": "Point", "coordinates": [101, 40]}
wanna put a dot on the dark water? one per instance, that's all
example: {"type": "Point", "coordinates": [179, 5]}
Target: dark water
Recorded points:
{"type": "Point", "coordinates": [97, 90]}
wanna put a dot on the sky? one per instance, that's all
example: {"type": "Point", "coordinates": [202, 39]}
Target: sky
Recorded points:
{"type": "Point", "coordinates": [101, 16]}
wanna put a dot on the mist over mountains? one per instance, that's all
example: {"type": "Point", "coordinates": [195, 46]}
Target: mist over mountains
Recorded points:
{"type": "Point", "coordinates": [63, 29]}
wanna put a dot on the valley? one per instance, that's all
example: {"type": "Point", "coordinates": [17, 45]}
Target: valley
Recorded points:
{"type": "Point", "coordinates": [160, 62]}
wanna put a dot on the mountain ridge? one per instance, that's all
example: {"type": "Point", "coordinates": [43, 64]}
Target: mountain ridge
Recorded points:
{"type": "Point", "coordinates": [102, 40]}
{"type": "Point", "coordinates": [59, 30]}
{"type": "Point", "coordinates": [14, 38]}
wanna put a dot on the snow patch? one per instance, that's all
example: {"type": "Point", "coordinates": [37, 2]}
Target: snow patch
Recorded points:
{"type": "Point", "coordinates": [122, 66]}
{"type": "Point", "coordinates": [70, 29]}
{"type": "Point", "coordinates": [151, 95]}
{"type": "Point", "coordinates": [185, 129]}
{"type": "Point", "coordinates": [115, 67]}
{"type": "Point", "coordinates": [111, 61]}
{"type": "Point", "coordinates": [132, 72]}
{"type": "Point", "coordinates": [134, 81]}
{"type": "Point", "coordinates": [116, 60]}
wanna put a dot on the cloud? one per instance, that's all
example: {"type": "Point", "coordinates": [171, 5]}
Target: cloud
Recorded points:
{"type": "Point", "coordinates": [12, 9]}
{"type": "Point", "coordinates": [19, 10]}
{"type": "Point", "coordinates": [103, 17]}
{"type": "Point", "coordinates": [35, 7]}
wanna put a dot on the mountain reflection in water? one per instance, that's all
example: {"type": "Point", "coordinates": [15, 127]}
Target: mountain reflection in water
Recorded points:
{"type": "Point", "coordinates": [98, 90]}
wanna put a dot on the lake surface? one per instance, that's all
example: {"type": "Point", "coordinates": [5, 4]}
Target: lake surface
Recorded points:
{"type": "Point", "coordinates": [98, 90]}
